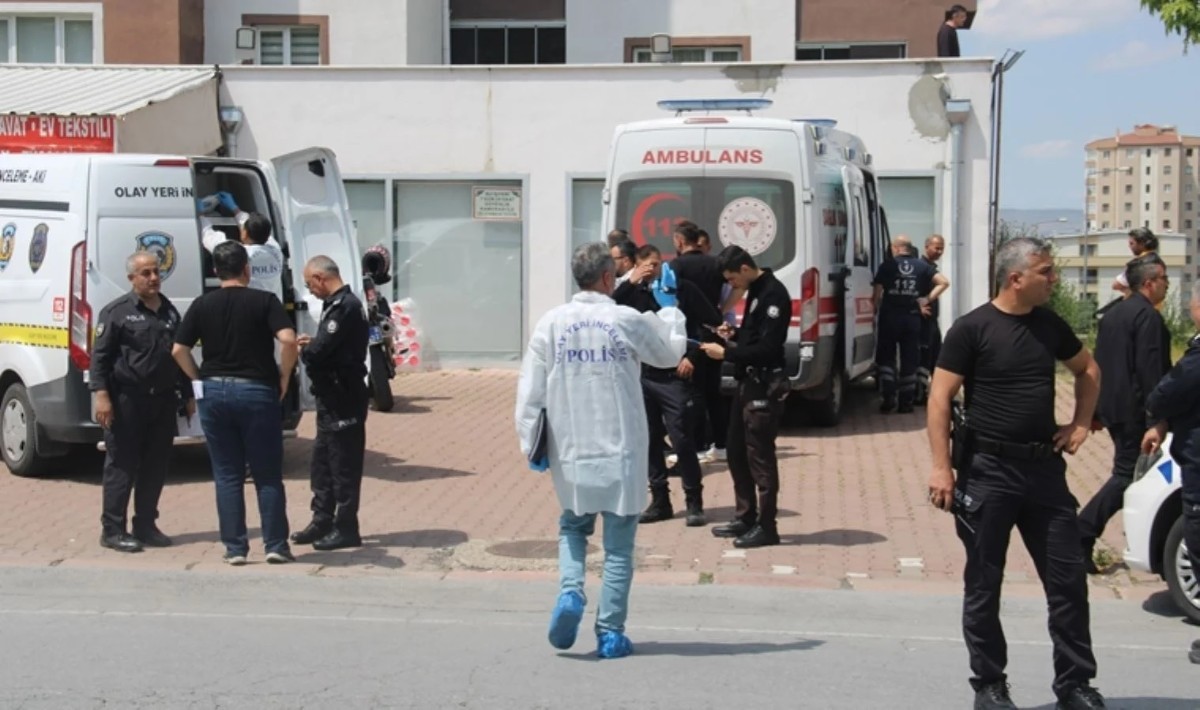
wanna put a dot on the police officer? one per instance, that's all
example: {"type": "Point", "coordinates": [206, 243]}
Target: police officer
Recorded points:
{"type": "Point", "coordinates": [899, 285]}
{"type": "Point", "coordinates": [1011, 470]}
{"type": "Point", "coordinates": [756, 353]}
{"type": "Point", "coordinates": [335, 359]}
{"type": "Point", "coordinates": [931, 331]}
{"type": "Point", "coordinates": [138, 391]}
{"type": "Point", "coordinates": [670, 396]}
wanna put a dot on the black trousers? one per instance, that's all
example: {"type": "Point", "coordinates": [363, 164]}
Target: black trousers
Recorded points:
{"type": "Point", "coordinates": [1033, 497]}
{"type": "Point", "coordinates": [930, 349]}
{"type": "Point", "coordinates": [138, 452]}
{"type": "Point", "coordinates": [1190, 480]}
{"type": "Point", "coordinates": [1127, 443]}
{"type": "Point", "coordinates": [711, 422]}
{"type": "Point", "coordinates": [336, 470]}
{"type": "Point", "coordinates": [753, 425]}
{"type": "Point", "coordinates": [671, 410]}
{"type": "Point", "coordinates": [898, 329]}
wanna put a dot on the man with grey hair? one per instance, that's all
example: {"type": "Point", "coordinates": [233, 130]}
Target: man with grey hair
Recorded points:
{"type": "Point", "coordinates": [1174, 404]}
{"type": "Point", "coordinates": [580, 379]}
{"type": "Point", "coordinates": [1008, 456]}
{"type": "Point", "coordinates": [138, 390]}
{"type": "Point", "coordinates": [1133, 349]}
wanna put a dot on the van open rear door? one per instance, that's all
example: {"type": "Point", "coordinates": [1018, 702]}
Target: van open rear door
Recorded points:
{"type": "Point", "coordinates": [316, 222]}
{"type": "Point", "coordinates": [860, 313]}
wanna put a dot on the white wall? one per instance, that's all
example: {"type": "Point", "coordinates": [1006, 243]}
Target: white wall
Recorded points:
{"type": "Point", "coordinates": [426, 31]}
{"type": "Point", "coordinates": [544, 123]}
{"type": "Point", "coordinates": [364, 32]}
{"type": "Point", "coordinates": [596, 31]}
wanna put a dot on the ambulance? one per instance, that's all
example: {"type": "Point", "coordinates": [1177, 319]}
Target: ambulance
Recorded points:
{"type": "Point", "coordinates": [799, 195]}
{"type": "Point", "coordinates": [69, 222]}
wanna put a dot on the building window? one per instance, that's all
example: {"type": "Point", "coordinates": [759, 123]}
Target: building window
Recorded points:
{"type": "Point", "coordinates": [1129, 189]}
{"type": "Point", "coordinates": [909, 203]}
{"type": "Point", "coordinates": [1191, 152]}
{"type": "Point", "coordinates": [1147, 169]}
{"type": "Point", "coordinates": [1107, 154]}
{"type": "Point", "coordinates": [1188, 170]}
{"type": "Point", "coordinates": [829, 52]}
{"type": "Point", "coordinates": [692, 49]}
{"type": "Point", "coordinates": [1146, 224]}
{"type": "Point", "coordinates": [1148, 151]}
{"type": "Point", "coordinates": [1089, 249]}
{"type": "Point", "coordinates": [1129, 152]}
{"type": "Point", "coordinates": [1104, 190]}
{"type": "Point", "coordinates": [1089, 277]}
{"type": "Point", "coordinates": [1166, 170]}
{"type": "Point", "coordinates": [299, 40]}
{"type": "Point", "coordinates": [1147, 189]}
{"type": "Point", "coordinates": [1187, 206]}
{"type": "Point", "coordinates": [484, 42]}
{"type": "Point", "coordinates": [1167, 152]}
{"type": "Point", "coordinates": [368, 210]}
{"type": "Point", "coordinates": [1187, 224]}
{"type": "Point", "coordinates": [1104, 225]}
{"type": "Point", "coordinates": [1189, 187]}
{"type": "Point", "coordinates": [47, 39]}
{"type": "Point", "coordinates": [1166, 224]}
{"type": "Point", "coordinates": [1128, 206]}
{"type": "Point", "coordinates": [1104, 207]}
{"type": "Point", "coordinates": [1166, 187]}
{"type": "Point", "coordinates": [1128, 224]}
{"type": "Point", "coordinates": [1166, 206]}
{"type": "Point", "coordinates": [1146, 208]}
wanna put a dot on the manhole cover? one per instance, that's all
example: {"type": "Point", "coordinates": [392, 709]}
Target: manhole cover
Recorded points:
{"type": "Point", "coordinates": [531, 549]}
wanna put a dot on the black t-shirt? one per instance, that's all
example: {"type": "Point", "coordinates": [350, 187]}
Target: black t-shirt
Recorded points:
{"type": "Point", "coordinates": [236, 327]}
{"type": "Point", "coordinates": [947, 41]}
{"type": "Point", "coordinates": [904, 280]}
{"type": "Point", "coordinates": [1008, 362]}
{"type": "Point", "coordinates": [702, 270]}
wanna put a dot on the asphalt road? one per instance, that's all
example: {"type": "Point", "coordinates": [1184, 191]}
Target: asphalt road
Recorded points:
{"type": "Point", "coordinates": [270, 638]}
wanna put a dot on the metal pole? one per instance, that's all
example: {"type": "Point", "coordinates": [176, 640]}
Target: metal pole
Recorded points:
{"type": "Point", "coordinates": [1083, 244]}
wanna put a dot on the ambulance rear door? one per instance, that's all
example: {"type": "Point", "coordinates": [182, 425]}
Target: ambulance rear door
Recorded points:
{"type": "Point", "coordinates": [859, 326]}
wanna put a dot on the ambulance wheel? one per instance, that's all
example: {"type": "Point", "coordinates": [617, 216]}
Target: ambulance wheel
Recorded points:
{"type": "Point", "coordinates": [18, 432]}
{"type": "Point", "coordinates": [827, 411]}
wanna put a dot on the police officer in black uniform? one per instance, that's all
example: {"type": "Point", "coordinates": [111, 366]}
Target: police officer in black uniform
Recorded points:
{"type": "Point", "coordinates": [139, 390]}
{"type": "Point", "coordinates": [1011, 472]}
{"type": "Point", "coordinates": [756, 352]}
{"type": "Point", "coordinates": [672, 403]}
{"type": "Point", "coordinates": [900, 283]}
{"type": "Point", "coordinates": [931, 330]}
{"type": "Point", "coordinates": [335, 359]}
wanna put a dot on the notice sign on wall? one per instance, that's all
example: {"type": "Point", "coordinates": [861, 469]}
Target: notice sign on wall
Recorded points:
{"type": "Point", "coordinates": [497, 204]}
{"type": "Point", "coordinates": [57, 134]}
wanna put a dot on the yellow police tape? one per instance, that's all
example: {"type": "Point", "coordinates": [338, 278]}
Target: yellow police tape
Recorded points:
{"type": "Point", "coordinates": [41, 336]}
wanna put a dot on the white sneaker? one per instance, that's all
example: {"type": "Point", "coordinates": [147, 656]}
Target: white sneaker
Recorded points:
{"type": "Point", "coordinates": [672, 459]}
{"type": "Point", "coordinates": [234, 560]}
{"type": "Point", "coordinates": [715, 455]}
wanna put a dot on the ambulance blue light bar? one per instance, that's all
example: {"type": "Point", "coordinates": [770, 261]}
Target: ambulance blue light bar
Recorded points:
{"type": "Point", "coordinates": [681, 105]}
{"type": "Point", "coordinates": [822, 122]}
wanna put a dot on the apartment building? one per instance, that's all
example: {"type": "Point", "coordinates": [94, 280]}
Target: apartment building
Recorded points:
{"type": "Point", "coordinates": [422, 32]}
{"type": "Point", "coordinates": [1146, 178]}
{"type": "Point", "coordinates": [1091, 262]}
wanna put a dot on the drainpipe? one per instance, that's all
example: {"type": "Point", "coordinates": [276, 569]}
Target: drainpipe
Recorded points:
{"type": "Point", "coordinates": [957, 113]}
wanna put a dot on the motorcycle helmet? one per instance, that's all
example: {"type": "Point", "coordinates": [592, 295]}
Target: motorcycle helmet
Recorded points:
{"type": "Point", "coordinates": [377, 263]}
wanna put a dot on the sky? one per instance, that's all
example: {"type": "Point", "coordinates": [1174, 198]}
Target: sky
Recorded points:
{"type": "Point", "coordinates": [1091, 68]}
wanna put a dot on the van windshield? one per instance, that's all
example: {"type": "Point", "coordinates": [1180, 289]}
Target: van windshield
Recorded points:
{"type": "Point", "coordinates": [756, 214]}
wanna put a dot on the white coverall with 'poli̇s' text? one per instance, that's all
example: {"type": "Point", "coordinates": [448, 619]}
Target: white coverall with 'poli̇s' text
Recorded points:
{"type": "Point", "coordinates": [583, 366]}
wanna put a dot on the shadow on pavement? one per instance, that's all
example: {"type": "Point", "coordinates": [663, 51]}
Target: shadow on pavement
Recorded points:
{"type": "Point", "coordinates": [1161, 604]}
{"type": "Point", "coordinates": [372, 555]}
{"type": "Point", "coordinates": [860, 415]}
{"type": "Point", "coordinates": [417, 538]}
{"type": "Point", "coordinates": [836, 537]}
{"type": "Point", "coordinates": [724, 514]}
{"type": "Point", "coordinates": [704, 648]}
{"type": "Point", "coordinates": [1141, 704]}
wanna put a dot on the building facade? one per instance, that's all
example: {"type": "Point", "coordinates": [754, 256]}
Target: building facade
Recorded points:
{"type": "Point", "coordinates": [1107, 252]}
{"type": "Point", "coordinates": [422, 32]}
{"type": "Point", "coordinates": [1146, 178]}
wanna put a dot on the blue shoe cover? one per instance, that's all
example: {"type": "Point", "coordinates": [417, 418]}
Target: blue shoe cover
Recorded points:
{"type": "Point", "coordinates": [613, 644]}
{"type": "Point", "coordinates": [564, 622]}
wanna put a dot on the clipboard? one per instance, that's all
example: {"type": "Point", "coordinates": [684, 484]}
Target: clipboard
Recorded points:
{"type": "Point", "coordinates": [541, 436]}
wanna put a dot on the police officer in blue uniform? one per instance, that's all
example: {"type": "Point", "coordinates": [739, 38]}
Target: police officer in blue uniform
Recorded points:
{"type": "Point", "coordinates": [900, 283]}
{"type": "Point", "coordinates": [335, 359]}
{"type": "Point", "coordinates": [1008, 454]}
{"type": "Point", "coordinates": [756, 352]}
{"type": "Point", "coordinates": [138, 390]}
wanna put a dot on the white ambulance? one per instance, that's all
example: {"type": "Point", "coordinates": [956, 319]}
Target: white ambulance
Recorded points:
{"type": "Point", "coordinates": [798, 195]}
{"type": "Point", "coordinates": [67, 225]}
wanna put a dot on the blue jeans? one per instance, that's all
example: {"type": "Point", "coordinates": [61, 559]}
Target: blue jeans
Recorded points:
{"type": "Point", "coordinates": [243, 424]}
{"type": "Point", "coordinates": [619, 532]}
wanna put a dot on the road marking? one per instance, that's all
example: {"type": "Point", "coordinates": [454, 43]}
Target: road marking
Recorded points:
{"type": "Point", "coordinates": [806, 633]}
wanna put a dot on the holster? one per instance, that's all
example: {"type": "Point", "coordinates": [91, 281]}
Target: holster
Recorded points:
{"type": "Point", "coordinates": [960, 438]}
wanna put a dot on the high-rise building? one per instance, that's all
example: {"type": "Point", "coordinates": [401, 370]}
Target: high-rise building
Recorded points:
{"type": "Point", "coordinates": [1146, 178]}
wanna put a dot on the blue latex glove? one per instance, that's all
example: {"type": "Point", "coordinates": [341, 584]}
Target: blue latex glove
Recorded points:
{"type": "Point", "coordinates": [227, 202]}
{"type": "Point", "coordinates": [204, 205]}
{"type": "Point", "coordinates": [541, 465]}
{"type": "Point", "coordinates": [664, 288]}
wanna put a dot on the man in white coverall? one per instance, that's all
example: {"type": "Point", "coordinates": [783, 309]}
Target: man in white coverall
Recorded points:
{"type": "Point", "coordinates": [583, 367]}
{"type": "Point", "coordinates": [266, 258]}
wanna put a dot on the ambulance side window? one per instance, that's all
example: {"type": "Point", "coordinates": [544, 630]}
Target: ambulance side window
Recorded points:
{"type": "Point", "coordinates": [861, 254]}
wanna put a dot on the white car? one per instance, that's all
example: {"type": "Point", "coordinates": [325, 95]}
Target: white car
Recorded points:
{"type": "Point", "coordinates": [1154, 529]}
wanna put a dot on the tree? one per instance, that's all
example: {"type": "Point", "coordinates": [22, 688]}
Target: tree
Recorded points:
{"type": "Point", "coordinates": [1181, 17]}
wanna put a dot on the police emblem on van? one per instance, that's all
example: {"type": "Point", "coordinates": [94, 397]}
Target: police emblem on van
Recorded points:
{"type": "Point", "coordinates": [8, 242]}
{"type": "Point", "coordinates": [161, 245]}
{"type": "Point", "coordinates": [37, 246]}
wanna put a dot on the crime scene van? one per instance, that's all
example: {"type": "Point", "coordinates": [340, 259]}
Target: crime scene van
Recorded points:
{"type": "Point", "coordinates": [69, 222]}
{"type": "Point", "coordinates": [799, 195]}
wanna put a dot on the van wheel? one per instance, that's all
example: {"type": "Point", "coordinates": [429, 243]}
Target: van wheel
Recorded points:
{"type": "Point", "coordinates": [18, 431]}
{"type": "Point", "coordinates": [827, 412]}
{"type": "Point", "coordinates": [1180, 574]}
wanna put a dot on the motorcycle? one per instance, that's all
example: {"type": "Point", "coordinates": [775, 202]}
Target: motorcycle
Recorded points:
{"type": "Point", "coordinates": [376, 266]}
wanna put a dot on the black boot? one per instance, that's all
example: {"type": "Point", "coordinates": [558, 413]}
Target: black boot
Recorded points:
{"type": "Point", "coordinates": [695, 509]}
{"type": "Point", "coordinates": [994, 696]}
{"type": "Point", "coordinates": [659, 508]}
{"type": "Point", "coordinates": [313, 532]}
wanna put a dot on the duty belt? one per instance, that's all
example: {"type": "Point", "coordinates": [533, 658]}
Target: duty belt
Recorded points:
{"type": "Point", "coordinates": [1033, 451]}
{"type": "Point", "coordinates": [762, 374]}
